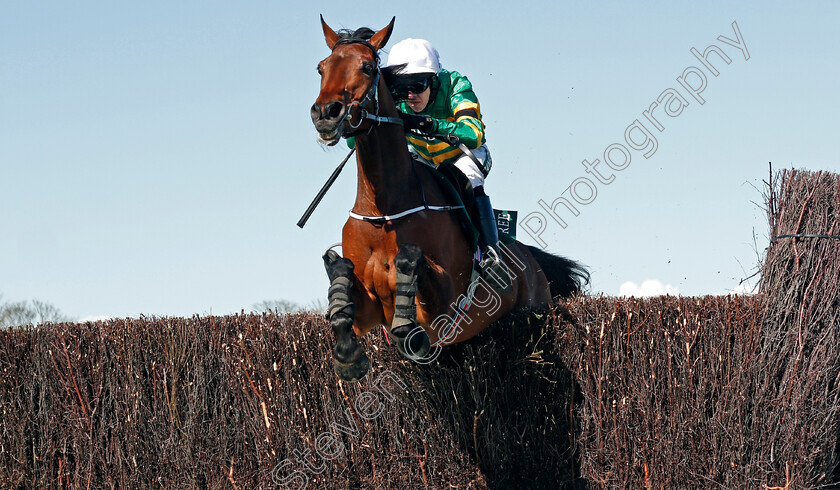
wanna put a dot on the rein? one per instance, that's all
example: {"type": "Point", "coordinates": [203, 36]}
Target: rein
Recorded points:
{"type": "Point", "coordinates": [370, 96]}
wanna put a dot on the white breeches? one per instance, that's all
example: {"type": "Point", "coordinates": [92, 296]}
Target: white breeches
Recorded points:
{"type": "Point", "coordinates": [467, 165]}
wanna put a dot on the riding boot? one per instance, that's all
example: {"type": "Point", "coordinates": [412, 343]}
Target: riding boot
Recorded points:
{"type": "Point", "coordinates": [493, 269]}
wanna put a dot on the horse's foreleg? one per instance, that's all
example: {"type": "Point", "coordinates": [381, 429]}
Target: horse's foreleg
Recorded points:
{"type": "Point", "coordinates": [349, 359]}
{"type": "Point", "coordinates": [411, 339]}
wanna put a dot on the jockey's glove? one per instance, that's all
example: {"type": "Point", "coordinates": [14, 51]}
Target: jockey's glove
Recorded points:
{"type": "Point", "coordinates": [423, 124]}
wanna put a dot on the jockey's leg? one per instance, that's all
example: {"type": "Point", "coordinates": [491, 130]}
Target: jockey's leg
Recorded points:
{"type": "Point", "coordinates": [349, 359]}
{"type": "Point", "coordinates": [493, 269]}
{"type": "Point", "coordinates": [411, 339]}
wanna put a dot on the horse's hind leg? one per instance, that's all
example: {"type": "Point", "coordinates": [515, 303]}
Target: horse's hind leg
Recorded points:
{"type": "Point", "coordinates": [349, 359]}
{"type": "Point", "coordinates": [412, 340]}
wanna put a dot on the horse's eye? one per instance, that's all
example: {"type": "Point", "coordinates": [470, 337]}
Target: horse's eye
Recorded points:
{"type": "Point", "coordinates": [367, 68]}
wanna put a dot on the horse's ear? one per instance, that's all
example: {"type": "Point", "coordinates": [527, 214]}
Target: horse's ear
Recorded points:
{"type": "Point", "coordinates": [380, 39]}
{"type": "Point", "coordinates": [329, 35]}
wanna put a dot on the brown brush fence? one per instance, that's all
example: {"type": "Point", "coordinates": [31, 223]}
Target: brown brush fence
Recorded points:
{"type": "Point", "coordinates": [686, 393]}
{"type": "Point", "coordinates": [711, 392]}
{"type": "Point", "coordinates": [221, 402]}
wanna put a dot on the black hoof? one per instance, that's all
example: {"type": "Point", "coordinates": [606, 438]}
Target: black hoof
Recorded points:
{"type": "Point", "coordinates": [353, 371]}
{"type": "Point", "coordinates": [415, 345]}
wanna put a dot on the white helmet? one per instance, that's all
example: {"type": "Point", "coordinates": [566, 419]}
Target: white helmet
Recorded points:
{"type": "Point", "coordinates": [418, 56]}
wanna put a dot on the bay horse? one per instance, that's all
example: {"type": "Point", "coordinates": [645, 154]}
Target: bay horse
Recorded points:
{"type": "Point", "coordinates": [407, 261]}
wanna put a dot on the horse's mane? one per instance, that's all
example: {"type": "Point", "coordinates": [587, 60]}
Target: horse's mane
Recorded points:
{"type": "Point", "coordinates": [361, 35]}
{"type": "Point", "coordinates": [392, 73]}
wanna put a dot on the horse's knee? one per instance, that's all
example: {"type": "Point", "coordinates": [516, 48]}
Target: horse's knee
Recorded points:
{"type": "Point", "coordinates": [340, 272]}
{"type": "Point", "coordinates": [340, 267]}
{"type": "Point", "coordinates": [408, 258]}
{"type": "Point", "coordinates": [341, 310]}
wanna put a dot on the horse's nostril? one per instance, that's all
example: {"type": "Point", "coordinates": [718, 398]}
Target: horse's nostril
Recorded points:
{"type": "Point", "coordinates": [334, 110]}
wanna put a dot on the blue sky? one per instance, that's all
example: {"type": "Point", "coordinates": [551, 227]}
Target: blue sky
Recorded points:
{"type": "Point", "coordinates": [154, 158]}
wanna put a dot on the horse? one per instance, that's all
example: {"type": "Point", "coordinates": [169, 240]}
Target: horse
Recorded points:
{"type": "Point", "coordinates": [407, 261]}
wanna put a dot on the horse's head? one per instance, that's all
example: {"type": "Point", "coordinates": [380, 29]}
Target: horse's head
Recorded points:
{"type": "Point", "coordinates": [349, 78]}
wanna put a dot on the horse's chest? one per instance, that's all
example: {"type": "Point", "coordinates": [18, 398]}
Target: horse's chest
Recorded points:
{"type": "Point", "coordinates": [380, 277]}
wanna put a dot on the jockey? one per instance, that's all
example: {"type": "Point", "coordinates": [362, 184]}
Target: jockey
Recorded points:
{"type": "Point", "coordinates": [434, 101]}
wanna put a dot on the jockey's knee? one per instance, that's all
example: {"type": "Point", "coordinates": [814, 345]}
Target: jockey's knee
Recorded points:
{"type": "Point", "coordinates": [468, 167]}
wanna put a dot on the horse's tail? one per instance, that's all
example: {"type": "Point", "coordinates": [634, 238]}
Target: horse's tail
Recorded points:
{"type": "Point", "coordinates": [565, 276]}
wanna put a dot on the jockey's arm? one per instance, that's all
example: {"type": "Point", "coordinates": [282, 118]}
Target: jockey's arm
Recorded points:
{"type": "Point", "coordinates": [465, 119]}
{"type": "Point", "coordinates": [468, 128]}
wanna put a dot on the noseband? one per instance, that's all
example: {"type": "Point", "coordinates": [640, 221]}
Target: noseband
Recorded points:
{"type": "Point", "coordinates": [370, 95]}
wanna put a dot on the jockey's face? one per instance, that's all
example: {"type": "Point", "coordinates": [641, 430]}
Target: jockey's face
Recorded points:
{"type": "Point", "coordinates": [418, 102]}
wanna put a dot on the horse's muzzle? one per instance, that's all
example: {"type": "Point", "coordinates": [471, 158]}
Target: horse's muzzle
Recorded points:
{"type": "Point", "coordinates": [328, 119]}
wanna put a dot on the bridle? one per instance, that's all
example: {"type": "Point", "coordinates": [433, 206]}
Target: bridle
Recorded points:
{"type": "Point", "coordinates": [370, 96]}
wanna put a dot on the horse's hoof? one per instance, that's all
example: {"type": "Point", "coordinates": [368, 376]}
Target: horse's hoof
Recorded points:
{"type": "Point", "coordinates": [415, 345]}
{"type": "Point", "coordinates": [353, 371]}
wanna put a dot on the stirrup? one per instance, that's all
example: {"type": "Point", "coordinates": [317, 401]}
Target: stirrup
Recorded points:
{"type": "Point", "coordinates": [495, 272]}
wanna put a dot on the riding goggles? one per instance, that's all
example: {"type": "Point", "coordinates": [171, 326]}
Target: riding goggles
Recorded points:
{"type": "Point", "coordinates": [401, 91]}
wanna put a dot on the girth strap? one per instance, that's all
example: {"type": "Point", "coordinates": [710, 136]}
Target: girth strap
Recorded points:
{"type": "Point", "coordinates": [425, 206]}
{"type": "Point", "coordinates": [389, 217]}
